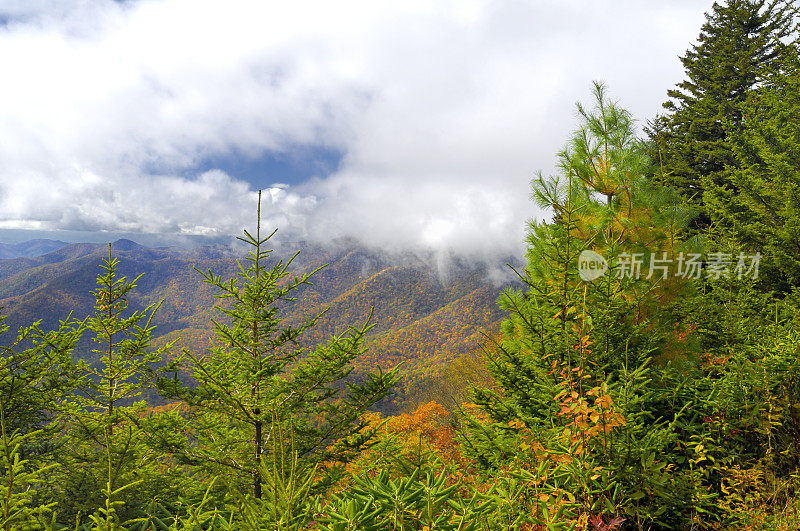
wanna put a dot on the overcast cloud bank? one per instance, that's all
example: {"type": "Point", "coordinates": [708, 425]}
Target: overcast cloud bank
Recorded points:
{"type": "Point", "coordinates": [444, 111]}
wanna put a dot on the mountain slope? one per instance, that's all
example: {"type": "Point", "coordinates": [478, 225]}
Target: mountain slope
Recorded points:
{"type": "Point", "coordinates": [423, 316]}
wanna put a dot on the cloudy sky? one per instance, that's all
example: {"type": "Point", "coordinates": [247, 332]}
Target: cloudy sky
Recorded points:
{"type": "Point", "coordinates": [413, 124]}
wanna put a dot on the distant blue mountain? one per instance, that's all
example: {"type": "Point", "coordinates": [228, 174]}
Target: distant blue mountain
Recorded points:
{"type": "Point", "coordinates": [30, 248]}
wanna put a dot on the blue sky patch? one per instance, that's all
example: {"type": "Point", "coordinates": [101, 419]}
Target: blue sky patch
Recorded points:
{"type": "Point", "coordinates": [291, 168]}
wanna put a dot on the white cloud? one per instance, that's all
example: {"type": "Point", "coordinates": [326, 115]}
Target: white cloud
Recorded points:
{"type": "Point", "coordinates": [444, 110]}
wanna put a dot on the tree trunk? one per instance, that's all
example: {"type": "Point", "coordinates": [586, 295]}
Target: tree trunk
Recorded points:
{"type": "Point", "coordinates": [257, 471]}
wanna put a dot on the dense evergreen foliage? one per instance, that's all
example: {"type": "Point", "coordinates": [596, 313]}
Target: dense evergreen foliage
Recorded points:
{"type": "Point", "coordinates": [646, 376]}
{"type": "Point", "coordinates": [761, 208]}
{"type": "Point", "coordinates": [738, 49]}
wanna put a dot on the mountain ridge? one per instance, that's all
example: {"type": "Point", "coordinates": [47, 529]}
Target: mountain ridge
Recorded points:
{"type": "Point", "coordinates": [29, 248]}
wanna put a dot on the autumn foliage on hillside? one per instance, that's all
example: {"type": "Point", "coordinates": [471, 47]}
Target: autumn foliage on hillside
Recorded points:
{"type": "Point", "coordinates": [422, 316]}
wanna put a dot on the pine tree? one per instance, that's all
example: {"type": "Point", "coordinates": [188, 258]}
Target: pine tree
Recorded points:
{"type": "Point", "coordinates": [259, 380]}
{"type": "Point", "coordinates": [573, 347]}
{"type": "Point", "coordinates": [606, 206]}
{"type": "Point", "coordinates": [741, 43]}
{"type": "Point", "coordinates": [602, 203]}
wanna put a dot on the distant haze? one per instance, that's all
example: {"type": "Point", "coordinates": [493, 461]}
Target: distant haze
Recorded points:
{"type": "Point", "coordinates": [402, 125]}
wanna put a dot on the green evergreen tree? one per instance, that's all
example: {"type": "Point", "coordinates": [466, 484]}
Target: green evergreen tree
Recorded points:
{"type": "Point", "coordinates": [741, 43]}
{"type": "Point", "coordinates": [112, 433]}
{"type": "Point", "coordinates": [762, 210]}
{"type": "Point", "coordinates": [36, 376]}
{"type": "Point", "coordinates": [602, 203]}
{"type": "Point", "coordinates": [36, 373]}
{"type": "Point", "coordinates": [259, 380]}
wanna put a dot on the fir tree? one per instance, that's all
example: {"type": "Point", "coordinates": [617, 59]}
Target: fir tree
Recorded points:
{"type": "Point", "coordinates": [741, 43]}
{"type": "Point", "coordinates": [36, 373]}
{"type": "Point", "coordinates": [112, 431]}
{"type": "Point", "coordinates": [762, 210]}
{"type": "Point", "coordinates": [36, 377]}
{"type": "Point", "coordinates": [259, 380]}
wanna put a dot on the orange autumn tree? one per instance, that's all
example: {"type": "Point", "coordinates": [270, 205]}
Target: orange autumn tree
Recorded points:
{"type": "Point", "coordinates": [426, 434]}
{"type": "Point", "coordinates": [429, 424]}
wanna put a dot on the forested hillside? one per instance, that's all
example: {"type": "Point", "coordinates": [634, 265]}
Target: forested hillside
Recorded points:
{"type": "Point", "coordinates": [424, 314]}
